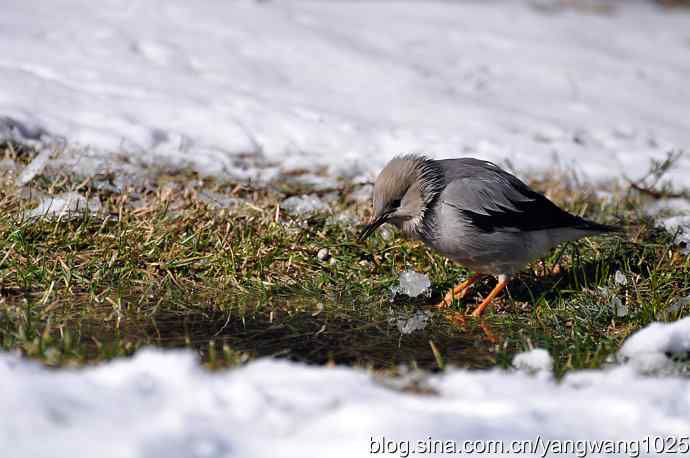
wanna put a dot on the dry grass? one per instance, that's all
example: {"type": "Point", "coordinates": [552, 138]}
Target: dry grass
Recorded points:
{"type": "Point", "coordinates": [160, 265]}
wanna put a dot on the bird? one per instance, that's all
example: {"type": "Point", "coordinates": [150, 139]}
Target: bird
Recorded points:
{"type": "Point", "coordinates": [473, 212]}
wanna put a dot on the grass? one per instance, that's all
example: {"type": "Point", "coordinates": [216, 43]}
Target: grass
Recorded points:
{"type": "Point", "coordinates": [159, 265]}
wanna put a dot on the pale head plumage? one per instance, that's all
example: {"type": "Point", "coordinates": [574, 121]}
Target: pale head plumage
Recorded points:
{"type": "Point", "coordinates": [403, 191]}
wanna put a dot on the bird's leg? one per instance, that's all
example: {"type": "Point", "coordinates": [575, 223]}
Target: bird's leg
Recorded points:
{"type": "Point", "coordinates": [458, 291]}
{"type": "Point", "coordinates": [502, 282]}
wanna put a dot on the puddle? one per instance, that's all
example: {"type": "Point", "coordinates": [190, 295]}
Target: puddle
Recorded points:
{"type": "Point", "coordinates": [325, 338]}
{"type": "Point", "coordinates": [301, 329]}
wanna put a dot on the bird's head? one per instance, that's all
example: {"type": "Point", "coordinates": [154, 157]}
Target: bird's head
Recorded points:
{"type": "Point", "coordinates": [402, 193]}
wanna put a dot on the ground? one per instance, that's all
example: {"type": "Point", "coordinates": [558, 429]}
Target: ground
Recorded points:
{"type": "Point", "coordinates": [178, 261]}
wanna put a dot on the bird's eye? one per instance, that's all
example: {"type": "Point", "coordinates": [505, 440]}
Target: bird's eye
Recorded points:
{"type": "Point", "coordinates": [395, 203]}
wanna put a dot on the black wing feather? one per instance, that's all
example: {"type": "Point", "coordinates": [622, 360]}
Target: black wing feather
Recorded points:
{"type": "Point", "coordinates": [493, 200]}
{"type": "Point", "coordinates": [532, 215]}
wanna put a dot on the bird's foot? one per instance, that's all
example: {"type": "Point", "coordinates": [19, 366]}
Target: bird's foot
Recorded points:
{"type": "Point", "coordinates": [449, 298]}
{"type": "Point", "coordinates": [458, 292]}
{"type": "Point", "coordinates": [492, 295]}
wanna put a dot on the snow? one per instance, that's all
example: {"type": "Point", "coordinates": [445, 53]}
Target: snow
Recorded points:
{"type": "Point", "coordinates": [304, 205]}
{"type": "Point", "coordinates": [618, 307]}
{"type": "Point", "coordinates": [64, 205]}
{"type": "Point", "coordinates": [35, 167]}
{"type": "Point", "coordinates": [162, 403]}
{"type": "Point", "coordinates": [619, 278]}
{"type": "Point", "coordinates": [345, 85]}
{"type": "Point", "coordinates": [679, 304]}
{"type": "Point", "coordinates": [680, 227]}
{"type": "Point", "coordinates": [412, 284]}
{"type": "Point", "coordinates": [652, 349]}
{"type": "Point", "coordinates": [363, 193]}
{"type": "Point", "coordinates": [533, 361]}
{"type": "Point", "coordinates": [217, 200]}
{"type": "Point", "coordinates": [343, 218]}
{"type": "Point", "coordinates": [674, 205]}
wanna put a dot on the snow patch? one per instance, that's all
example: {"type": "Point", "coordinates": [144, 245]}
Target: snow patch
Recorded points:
{"type": "Point", "coordinates": [344, 87]}
{"type": "Point", "coordinates": [35, 167]}
{"type": "Point", "coordinates": [343, 218]}
{"type": "Point", "coordinates": [678, 305]}
{"type": "Point", "coordinates": [671, 206]}
{"type": "Point", "coordinates": [619, 278]}
{"type": "Point", "coordinates": [537, 360]}
{"type": "Point", "coordinates": [618, 307]}
{"type": "Point", "coordinates": [162, 403]}
{"type": "Point", "coordinates": [680, 227]}
{"type": "Point", "coordinates": [363, 193]}
{"type": "Point", "coordinates": [283, 409]}
{"type": "Point", "coordinates": [304, 205]}
{"type": "Point", "coordinates": [218, 200]}
{"type": "Point", "coordinates": [68, 204]}
{"type": "Point", "coordinates": [654, 348]}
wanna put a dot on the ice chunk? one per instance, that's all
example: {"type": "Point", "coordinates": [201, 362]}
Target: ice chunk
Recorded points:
{"type": "Point", "coordinates": [671, 206]}
{"type": "Point", "coordinates": [604, 290]}
{"type": "Point", "coordinates": [653, 348]}
{"type": "Point", "coordinates": [679, 304]}
{"type": "Point", "coordinates": [416, 322]}
{"type": "Point", "coordinates": [342, 218]}
{"type": "Point", "coordinates": [606, 196]}
{"type": "Point", "coordinates": [412, 284]}
{"type": "Point", "coordinates": [674, 308]}
{"type": "Point", "coordinates": [331, 197]}
{"type": "Point", "coordinates": [65, 204]}
{"type": "Point", "coordinates": [303, 205]}
{"type": "Point", "coordinates": [386, 232]}
{"type": "Point", "coordinates": [317, 182]}
{"type": "Point", "coordinates": [35, 167]}
{"type": "Point", "coordinates": [618, 307]}
{"type": "Point", "coordinates": [680, 227]}
{"type": "Point", "coordinates": [619, 277]}
{"type": "Point", "coordinates": [615, 304]}
{"type": "Point", "coordinates": [8, 165]}
{"type": "Point", "coordinates": [363, 193]}
{"type": "Point", "coordinates": [218, 200]}
{"type": "Point", "coordinates": [534, 361]}
{"type": "Point", "coordinates": [115, 184]}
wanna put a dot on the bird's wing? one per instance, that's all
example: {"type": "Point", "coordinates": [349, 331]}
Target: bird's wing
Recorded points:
{"type": "Point", "coordinates": [494, 200]}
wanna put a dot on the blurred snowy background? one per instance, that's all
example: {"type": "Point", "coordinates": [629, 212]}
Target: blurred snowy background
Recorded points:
{"type": "Point", "coordinates": [596, 86]}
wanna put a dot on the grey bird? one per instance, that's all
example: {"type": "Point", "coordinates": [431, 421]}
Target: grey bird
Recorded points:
{"type": "Point", "coordinates": [475, 213]}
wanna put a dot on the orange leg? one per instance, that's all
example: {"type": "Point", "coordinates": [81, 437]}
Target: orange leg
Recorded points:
{"type": "Point", "coordinates": [494, 292]}
{"type": "Point", "coordinates": [458, 292]}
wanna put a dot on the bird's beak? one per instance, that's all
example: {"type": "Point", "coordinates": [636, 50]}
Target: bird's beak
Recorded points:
{"type": "Point", "coordinates": [374, 223]}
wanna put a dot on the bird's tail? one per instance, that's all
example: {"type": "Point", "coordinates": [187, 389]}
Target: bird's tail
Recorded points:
{"type": "Point", "coordinates": [591, 226]}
